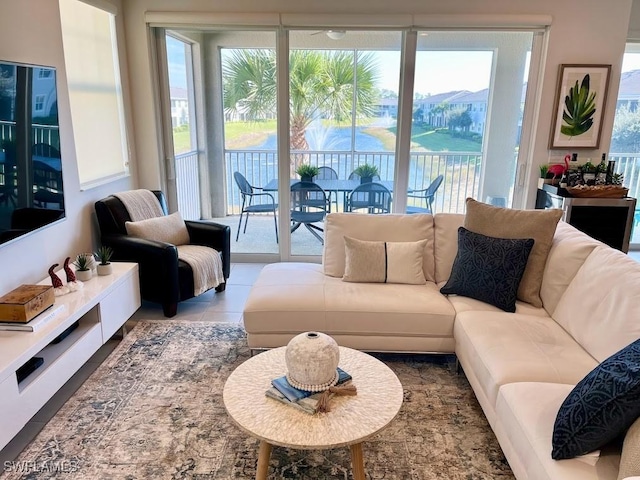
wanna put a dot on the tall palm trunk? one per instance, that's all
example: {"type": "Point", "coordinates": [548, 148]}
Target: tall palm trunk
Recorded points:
{"type": "Point", "coordinates": [298, 142]}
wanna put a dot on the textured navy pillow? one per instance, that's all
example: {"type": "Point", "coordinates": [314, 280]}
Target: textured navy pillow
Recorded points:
{"type": "Point", "coordinates": [600, 407]}
{"type": "Point", "coordinates": [488, 269]}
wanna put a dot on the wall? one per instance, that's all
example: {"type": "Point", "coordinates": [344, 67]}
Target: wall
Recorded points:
{"type": "Point", "coordinates": [30, 33]}
{"type": "Point", "coordinates": [583, 31]}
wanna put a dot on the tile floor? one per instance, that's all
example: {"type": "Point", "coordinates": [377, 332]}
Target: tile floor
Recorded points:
{"type": "Point", "coordinates": [211, 306]}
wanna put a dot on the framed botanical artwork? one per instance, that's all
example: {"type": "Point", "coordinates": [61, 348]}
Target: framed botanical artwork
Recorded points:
{"type": "Point", "coordinates": [579, 106]}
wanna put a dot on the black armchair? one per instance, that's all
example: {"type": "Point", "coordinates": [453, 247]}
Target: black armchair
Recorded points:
{"type": "Point", "coordinates": [163, 277]}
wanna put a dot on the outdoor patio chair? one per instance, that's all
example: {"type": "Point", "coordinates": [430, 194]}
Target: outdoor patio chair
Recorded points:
{"type": "Point", "coordinates": [374, 197]}
{"type": "Point", "coordinates": [428, 194]}
{"type": "Point", "coordinates": [328, 173]}
{"type": "Point", "coordinates": [309, 205]}
{"type": "Point", "coordinates": [247, 191]}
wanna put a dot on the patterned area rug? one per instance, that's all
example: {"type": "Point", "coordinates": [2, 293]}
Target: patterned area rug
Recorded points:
{"type": "Point", "coordinates": [153, 410]}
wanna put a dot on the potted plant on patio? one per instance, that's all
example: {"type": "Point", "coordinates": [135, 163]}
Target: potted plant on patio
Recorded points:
{"type": "Point", "coordinates": [366, 172]}
{"type": "Point", "coordinates": [103, 255]}
{"type": "Point", "coordinates": [307, 172]}
{"type": "Point", "coordinates": [82, 264]}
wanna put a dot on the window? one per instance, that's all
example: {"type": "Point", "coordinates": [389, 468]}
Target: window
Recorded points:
{"type": "Point", "coordinates": [95, 91]}
{"type": "Point", "coordinates": [625, 137]}
{"type": "Point", "coordinates": [44, 73]}
{"type": "Point", "coordinates": [39, 103]}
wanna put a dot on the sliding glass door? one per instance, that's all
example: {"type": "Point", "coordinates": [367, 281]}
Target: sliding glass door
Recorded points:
{"type": "Point", "coordinates": [469, 92]}
{"type": "Point", "coordinates": [343, 97]}
{"type": "Point", "coordinates": [444, 125]}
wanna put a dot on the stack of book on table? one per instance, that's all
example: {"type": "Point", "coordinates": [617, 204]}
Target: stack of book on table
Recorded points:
{"type": "Point", "coordinates": [282, 391]}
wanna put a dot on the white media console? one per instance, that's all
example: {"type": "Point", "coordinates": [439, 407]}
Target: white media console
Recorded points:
{"type": "Point", "coordinates": [100, 309]}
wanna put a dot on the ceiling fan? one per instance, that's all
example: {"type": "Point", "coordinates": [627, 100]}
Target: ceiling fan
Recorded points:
{"type": "Point", "coordinates": [332, 34]}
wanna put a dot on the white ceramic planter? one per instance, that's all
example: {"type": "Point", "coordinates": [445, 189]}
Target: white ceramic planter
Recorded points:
{"type": "Point", "coordinates": [105, 269]}
{"type": "Point", "coordinates": [92, 262]}
{"type": "Point", "coordinates": [83, 275]}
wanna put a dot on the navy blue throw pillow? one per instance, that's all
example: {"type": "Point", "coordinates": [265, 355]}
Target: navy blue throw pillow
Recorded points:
{"type": "Point", "coordinates": [601, 406]}
{"type": "Point", "coordinates": [488, 269]}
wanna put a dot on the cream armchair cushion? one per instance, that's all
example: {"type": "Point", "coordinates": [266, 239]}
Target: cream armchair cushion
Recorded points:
{"type": "Point", "coordinates": [167, 228]}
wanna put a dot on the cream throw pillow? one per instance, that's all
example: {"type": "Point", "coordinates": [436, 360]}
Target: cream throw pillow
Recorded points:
{"type": "Point", "coordinates": [630, 457]}
{"type": "Point", "coordinates": [383, 262]}
{"type": "Point", "coordinates": [168, 228]}
{"type": "Point", "coordinates": [510, 223]}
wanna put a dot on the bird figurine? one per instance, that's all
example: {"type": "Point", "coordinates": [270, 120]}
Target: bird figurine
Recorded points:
{"type": "Point", "coordinates": [58, 287]}
{"type": "Point", "coordinates": [558, 169]}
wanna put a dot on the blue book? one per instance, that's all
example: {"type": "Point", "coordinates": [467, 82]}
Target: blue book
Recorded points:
{"type": "Point", "coordinates": [293, 394]}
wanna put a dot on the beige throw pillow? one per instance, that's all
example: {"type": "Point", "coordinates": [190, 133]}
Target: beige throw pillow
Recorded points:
{"type": "Point", "coordinates": [383, 262]}
{"type": "Point", "coordinates": [510, 223]}
{"type": "Point", "coordinates": [630, 457]}
{"type": "Point", "coordinates": [168, 228]}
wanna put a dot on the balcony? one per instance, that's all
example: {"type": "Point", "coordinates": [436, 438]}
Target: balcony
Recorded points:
{"type": "Point", "coordinates": [461, 172]}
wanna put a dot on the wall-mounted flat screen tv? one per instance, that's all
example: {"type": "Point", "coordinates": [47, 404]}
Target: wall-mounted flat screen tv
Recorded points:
{"type": "Point", "coordinates": [31, 190]}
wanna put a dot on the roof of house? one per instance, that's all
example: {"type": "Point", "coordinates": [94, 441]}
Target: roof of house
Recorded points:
{"type": "Point", "coordinates": [479, 96]}
{"type": "Point", "coordinates": [447, 97]}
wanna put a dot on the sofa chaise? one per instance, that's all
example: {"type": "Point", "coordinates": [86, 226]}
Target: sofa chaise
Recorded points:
{"type": "Point", "coordinates": [521, 365]}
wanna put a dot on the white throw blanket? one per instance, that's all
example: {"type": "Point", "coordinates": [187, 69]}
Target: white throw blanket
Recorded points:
{"type": "Point", "coordinates": [205, 262]}
{"type": "Point", "coordinates": [140, 204]}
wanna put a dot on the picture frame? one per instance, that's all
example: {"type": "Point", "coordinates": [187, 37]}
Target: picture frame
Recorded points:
{"type": "Point", "coordinates": [580, 101]}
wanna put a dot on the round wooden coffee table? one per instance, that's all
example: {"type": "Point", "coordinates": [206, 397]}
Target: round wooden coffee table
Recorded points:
{"type": "Point", "coordinates": [351, 420]}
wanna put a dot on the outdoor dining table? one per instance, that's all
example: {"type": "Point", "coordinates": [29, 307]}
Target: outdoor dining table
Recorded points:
{"type": "Point", "coordinates": [330, 185]}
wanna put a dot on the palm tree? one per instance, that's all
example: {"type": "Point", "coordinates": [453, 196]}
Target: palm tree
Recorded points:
{"type": "Point", "coordinates": [321, 85]}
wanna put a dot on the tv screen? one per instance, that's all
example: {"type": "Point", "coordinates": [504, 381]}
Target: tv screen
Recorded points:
{"type": "Point", "coordinates": [31, 190]}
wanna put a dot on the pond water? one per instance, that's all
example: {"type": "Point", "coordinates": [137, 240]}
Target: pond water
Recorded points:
{"type": "Point", "coordinates": [332, 139]}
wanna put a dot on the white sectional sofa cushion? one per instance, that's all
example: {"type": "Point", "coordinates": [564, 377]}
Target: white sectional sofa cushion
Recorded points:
{"type": "Point", "coordinates": [501, 348]}
{"type": "Point", "coordinates": [288, 298]}
{"type": "Point", "coordinates": [568, 252]}
{"type": "Point", "coordinates": [600, 306]}
{"type": "Point", "coordinates": [446, 243]}
{"type": "Point", "coordinates": [526, 412]}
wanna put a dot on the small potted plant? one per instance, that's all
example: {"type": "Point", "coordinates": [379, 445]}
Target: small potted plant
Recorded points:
{"type": "Point", "coordinates": [103, 255]}
{"type": "Point", "coordinates": [366, 172]}
{"type": "Point", "coordinates": [589, 173]}
{"type": "Point", "coordinates": [83, 267]}
{"type": "Point", "coordinates": [307, 172]}
{"type": "Point", "coordinates": [544, 170]}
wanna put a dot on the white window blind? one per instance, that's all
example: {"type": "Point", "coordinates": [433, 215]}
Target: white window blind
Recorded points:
{"type": "Point", "coordinates": [95, 91]}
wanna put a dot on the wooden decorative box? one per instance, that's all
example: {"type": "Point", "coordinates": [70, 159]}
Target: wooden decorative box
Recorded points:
{"type": "Point", "coordinates": [25, 302]}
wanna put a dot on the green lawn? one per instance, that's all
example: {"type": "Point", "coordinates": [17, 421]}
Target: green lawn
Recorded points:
{"type": "Point", "coordinates": [239, 135]}
{"type": "Point", "coordinates": [422, 140]}
{"type": "Point", "coordinates": [181, 141]}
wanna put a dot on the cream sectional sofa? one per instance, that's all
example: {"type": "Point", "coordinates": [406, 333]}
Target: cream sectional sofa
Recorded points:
{"type": "Point", "coordinates": [520, 365]}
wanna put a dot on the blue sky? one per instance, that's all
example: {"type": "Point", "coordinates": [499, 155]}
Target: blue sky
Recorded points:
{"type": "Point", "coordinates": [436, 71]}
